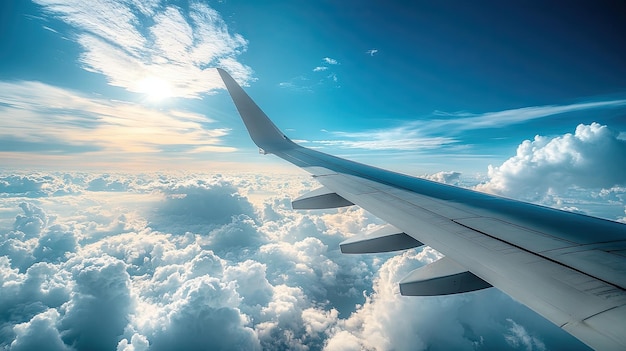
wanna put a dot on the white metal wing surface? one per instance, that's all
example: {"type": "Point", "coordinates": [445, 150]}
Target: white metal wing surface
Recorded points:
{"type": "Point", "coordinates": [568, 267]}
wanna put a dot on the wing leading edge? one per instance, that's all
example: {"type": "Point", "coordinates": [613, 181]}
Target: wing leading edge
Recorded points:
{"type": "Point", "coordinates": [568, 267]}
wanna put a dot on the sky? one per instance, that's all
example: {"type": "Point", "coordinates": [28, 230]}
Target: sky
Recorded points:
{"type": "Point", "coordinates": [129, 188]}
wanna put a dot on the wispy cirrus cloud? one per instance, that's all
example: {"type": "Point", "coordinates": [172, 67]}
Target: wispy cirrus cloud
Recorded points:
{"type": "Point", "coordinates": [399, 138]}
{"type": "Point", "coordinates": [50, 120]}
{"type": "Point", "coordinates": [459, 121]}
{"type": "Point", "coordinates": [131, 41]}
{"type": "Point", "coordinates": [307, 84]}
{"type": "Point", "coordinates": [436, 132]}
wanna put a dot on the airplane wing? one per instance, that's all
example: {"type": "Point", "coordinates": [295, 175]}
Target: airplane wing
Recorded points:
{"type": "Point", "coordinates": [569, 268]}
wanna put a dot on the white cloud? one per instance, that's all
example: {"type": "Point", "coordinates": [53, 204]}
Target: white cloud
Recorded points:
{"type": "Point", "coordinates": [137, 342]}
{"type": "Point", "coordinates": [437, 133]}
{"type": "Point", "coordinates": [420, 135]}
{"type": "Point", "coordinates": [468, 121]}
{"type": "Point", "coordinates": [591, 158]}
{"type": "Point", "coordinates": [307, 84]}
{"type": "Point", "coordinates": [131, 41]}
{"type": "Point", "coordinates": [372, 52]}
{"type": "Point", "coordinates": [449, 177]}
{"type": "Point", "coordinates": [399, 138]}
{"type": "Point", "coordinates": [40, 333]}
{"type": "Point", "coordinates": [102, 289]}
{"type": "Point", "coordinates": [519, 338]}
{"type": "Point", "coordinates": [161, 261]}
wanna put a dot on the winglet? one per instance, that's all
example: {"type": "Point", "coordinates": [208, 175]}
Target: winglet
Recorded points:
{"type": "Point", "coordinates": [261, 129]}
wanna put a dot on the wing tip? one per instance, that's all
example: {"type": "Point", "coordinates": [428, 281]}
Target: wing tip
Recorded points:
{"type": "Point", "coordinates": [262, 130]}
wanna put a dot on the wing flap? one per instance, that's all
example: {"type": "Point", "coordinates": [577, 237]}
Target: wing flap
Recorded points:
{"type": "Point", "coordinates": [320, 198]}
{"type": "Point", "coordinates": [385, 239]}
{"type": "Point", "coordinates": [442, 277]}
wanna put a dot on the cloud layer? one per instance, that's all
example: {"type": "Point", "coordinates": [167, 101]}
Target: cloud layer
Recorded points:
{"type": "Point", "coordinates": [187, 262]}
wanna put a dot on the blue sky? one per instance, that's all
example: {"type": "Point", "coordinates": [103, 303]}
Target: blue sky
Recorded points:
{"type": "Point", "coordinates": [130, 190]}
{"type": "Point", "coordinates": [400, 85]}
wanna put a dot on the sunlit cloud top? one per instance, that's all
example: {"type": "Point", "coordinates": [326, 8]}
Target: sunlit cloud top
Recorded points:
{"type": "Point", "coordinates": [137, 43]}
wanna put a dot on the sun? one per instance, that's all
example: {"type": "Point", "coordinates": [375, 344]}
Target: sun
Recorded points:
{"type": "Point", "coordinates": [156, 89]}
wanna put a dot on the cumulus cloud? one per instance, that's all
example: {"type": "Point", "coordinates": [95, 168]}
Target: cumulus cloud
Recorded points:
{"type": "Point", "coordinates": [40, 333]}
{"type": "Point", "coordinates": [330, 61]}
{"type": "Point", "coordinates": [135, 42]}
{"type": "Point", "coordinates": [161, 262]}
{"type": "Point", "coordinates": [204, 314]}
{"type": "Point", "coordinates": [29, 186]}
{"type": "Point", "coordinates": [209, 205]}
{"type": "Point", "coordinates": [102, 289]}
{"type": "Point", "coordinates": [590, 158]}
{"type": "Point", "coordinates": [449, 177]}
{"type": "Point", "coordinates": [32, 221]}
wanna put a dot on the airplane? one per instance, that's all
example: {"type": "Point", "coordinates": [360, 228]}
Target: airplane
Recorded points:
{"type": "Point", "coordinates": [568, 267]}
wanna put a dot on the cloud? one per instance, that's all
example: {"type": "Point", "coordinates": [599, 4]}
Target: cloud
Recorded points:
{"type": "Point", "coordinates": [130, 42]}
{"type": "Point", "coordinates": [56, 120]}
{"type": "Point", "coordinates": [591, 158]}
{"type": "Point", "coordinates": [299, 83]}
{"type": "Point", "coordinates": [182, 261]}
{"type": "Point", "coordinates": [399, 138]}
{"type": "Point", "coordinates": [450, 177]}
{"type": "Point", "coordinates": [53, 246]}
{"type": "Point", "coordinates": [372, 52]}
{"type": "Point", "coordinates": [40, 333]}
{"type": "Point", "coordinates": [137, 342]}
{"type": "Point", "coordinates": [519, 338]}
{"type": "Point", "coordinates": [217, 210]}
{"type": "Point", "coordinates": [308, 84]}
{"type": "Point", "coordinates": [32, 222]}
{"type": "Point", "coordinates": [466, 121]}
{"type": "Point", "coordinates": [101, 288]}
{"type": "Point", "coordinates": [205, 313]}
{"type": "Point", "coordinates": [437, 133]}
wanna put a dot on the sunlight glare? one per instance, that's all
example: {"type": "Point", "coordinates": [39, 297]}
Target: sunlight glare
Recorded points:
{"type": "Point", "coordinates": [155, 88]}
